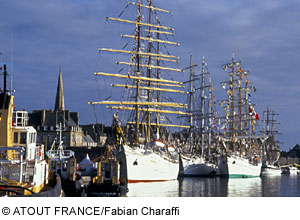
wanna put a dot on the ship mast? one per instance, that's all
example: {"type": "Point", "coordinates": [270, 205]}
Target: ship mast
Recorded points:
{"type": "Point", "coordinates": [158, 77]}
{"type": "Point", "coordinates": [233, 65]}
{"type": "Point", "coordinates": [142, 80]}
{"type": "Point", "coordinates": [149, 72]}
{"type": "Point", "coordinates": [202, 108]}
{"type": "Point", "coordinates": [138, 56]}
{"type": "Point", "coordinates": [191, 96]}
{"type": "Point", "coordinates": [210, 115]}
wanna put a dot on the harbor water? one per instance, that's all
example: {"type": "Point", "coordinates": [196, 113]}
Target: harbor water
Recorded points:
{"type": "Point", "coordinates": [266, 186]}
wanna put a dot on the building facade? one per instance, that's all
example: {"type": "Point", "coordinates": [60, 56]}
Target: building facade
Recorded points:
{"type": "Point", "coordinates": [47, 122]}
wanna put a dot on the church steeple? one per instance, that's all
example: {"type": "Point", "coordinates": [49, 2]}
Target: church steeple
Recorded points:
{"type": "Point", "coordinates": [59, 100]}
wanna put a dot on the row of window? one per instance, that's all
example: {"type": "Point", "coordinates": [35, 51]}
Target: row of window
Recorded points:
{"type": "Point", "coordinates": [21, 138]}
{"type": "Point", "coordinates": [56, 165]}
{"type": "Point", "coordinates": [52, 128]}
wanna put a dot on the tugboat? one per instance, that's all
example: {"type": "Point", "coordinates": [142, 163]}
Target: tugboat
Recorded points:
{"type": "Point", "coordinates": [111, 179]}
{"type": "Point", "coordinates": [106, 182]}
{"type": "Point", "coordinates": [23, 168]}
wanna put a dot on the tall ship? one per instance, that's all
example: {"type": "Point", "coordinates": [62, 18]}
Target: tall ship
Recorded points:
{"type": "Point", "coordinates": [147, 107]}
{"type": "Point", "coordinates": [197, 155]}
{"type": "Point", "coordinates": [271, 149]}
{"type": "Point", "coordinates": [24, 170]}
{"type": "Point", "coordinates": [240, 147]}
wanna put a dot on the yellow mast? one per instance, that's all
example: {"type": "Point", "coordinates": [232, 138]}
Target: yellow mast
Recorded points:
{"type": "Point", "coordinates": [151, 66]}
{"type": "Point", "coordinates": [149, 110]}
{"type": "Point", "coordinates": [151, 7]}
{"type": "Point", "coordinates": [140, 78]}
{"type": "Point", "coordinates": [150, 88]}
{"type": "Point", "coordinates": [139, 23]}
{"type": "Point", "coordinates": [166, 125]}
{"type": "Point", "coordinates": [6, 113]}
{"type": "Point", "coordinates": [151, 39]}
{"type": "Point", "coordinates": [135, 52]}
{"type": "Point", "coordinates": [167, 104]}
{"type": "Point", "coordinates": [161, 32]}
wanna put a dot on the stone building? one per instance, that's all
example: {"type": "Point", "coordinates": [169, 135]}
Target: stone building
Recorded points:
{"type": "Point", "coordinates": [290, 157]}
{"type": "Point", "coordinates": [46, 123]}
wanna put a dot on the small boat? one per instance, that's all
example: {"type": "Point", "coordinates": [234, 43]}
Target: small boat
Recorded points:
{"type": "Point", "coordinates": [62, 162]}
{"type": "Point", "coordinates": [270, 170]}
{"type": "Point", "coordinates": [196, 166]}
{"type": "Point", "coordinates": [291, 169]}
{"type": "Point", "coordinates": [106, 182]}
{"type": "Point", "coordinates": [23, 168]}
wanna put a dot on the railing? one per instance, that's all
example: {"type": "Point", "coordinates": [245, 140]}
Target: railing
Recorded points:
{"type": "Point", "coordinates": [56, 153]}
{"type": "Point", "coordinates": [20, 118]}
{"type": "Point", "coordinates": [10, 154]}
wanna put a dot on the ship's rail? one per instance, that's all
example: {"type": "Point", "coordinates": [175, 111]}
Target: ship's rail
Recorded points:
{"type": "Point", "coordinates": [57, 153]}
{"type": "Point", "coordinates": [20, 118]}
{"type": "Point", "coordinates": [10, 155]}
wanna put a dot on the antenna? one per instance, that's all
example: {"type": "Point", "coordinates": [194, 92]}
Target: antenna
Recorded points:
{"type": "Point", "coordinates": [11, 61]}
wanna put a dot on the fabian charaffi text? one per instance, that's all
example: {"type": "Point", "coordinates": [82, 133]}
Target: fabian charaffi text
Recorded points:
{"type": "Point", "coordinates": [115, 211]}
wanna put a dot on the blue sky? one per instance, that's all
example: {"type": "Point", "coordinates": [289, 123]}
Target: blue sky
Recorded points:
{"type": "Point", "coordinates": [44, 35]}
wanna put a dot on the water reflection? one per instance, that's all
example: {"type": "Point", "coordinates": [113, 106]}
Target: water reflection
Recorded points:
{"type": "Point", "coordinates": [267, 186]}
{"type": "Point", "coordinates": [244, 187]}
{"type": "Point", "coordinates": [202, 187]}
{"type": "Point", "coordinates": [156, 189]}
{"type": "Point", "coordinates": [271, 185]}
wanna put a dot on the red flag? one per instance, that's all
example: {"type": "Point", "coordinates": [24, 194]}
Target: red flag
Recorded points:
{"type": "Point", "coordinates": [256, 116]}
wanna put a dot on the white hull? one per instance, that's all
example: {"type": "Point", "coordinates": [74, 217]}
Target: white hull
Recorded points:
{"type": "Point", "coordinates": [196, 166]}
{"type": "Point", "coordinates": [148, 166]}
{"type": "Point", "coordinates": [236, 167]}
{"type": "Point", "coordinates": [270, 171]}
{"type": "Point", "coordinates": [294, 171]}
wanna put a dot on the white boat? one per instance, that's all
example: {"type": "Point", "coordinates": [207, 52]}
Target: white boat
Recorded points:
{"type": "Point", "coordinates": [290, 169]}
{"type": "Point", "coordinates": [196, 166]}
{"type": "Point", "coordinates": [62, 162]}
{"type": "Point", "coordinates": [148, 157]}
{"type": "Point", "coordinates": [270, 170]}
{"type": "Point", "coordinates": [294, 170]}
{"type": "Point", "coordinates": [23, 168]}
{"type": "Point", "coordinates": [240, 156]}
{"type": "Point", "coordinates": [193, 163]}
{"type": "Point", "coordinates": [237, 167]}
{"type": "Point", "coordinates": [146, 165]}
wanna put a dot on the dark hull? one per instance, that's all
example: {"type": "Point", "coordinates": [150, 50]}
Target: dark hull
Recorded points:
{"type": "Point", "coordinates": [104, 190]}
{"type": "Point", "coordinates": [69, 188]}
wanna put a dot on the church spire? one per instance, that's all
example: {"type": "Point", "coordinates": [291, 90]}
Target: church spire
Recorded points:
{"type": "Point", "coordinates": [59, 100]}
